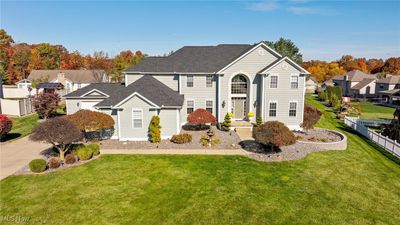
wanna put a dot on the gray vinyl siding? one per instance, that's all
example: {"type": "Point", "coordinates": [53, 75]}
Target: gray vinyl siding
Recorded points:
{"type": "Point", "coordinates": [199, 93]}
{"type": "Point", "coordinates": [284, 94]}
{"type": "Point", "coordinates": [126, 122]}
{"type": "Point", "coordinates": [113, 114]}
{"type": "Point", "coordinates": [171, 81]}
{"type": "Point", "coordinates": [249, 65]}
{"type": "Point", "coordinates": [73, 105]}
{"type": "Point", "coordinates": [168, 122]}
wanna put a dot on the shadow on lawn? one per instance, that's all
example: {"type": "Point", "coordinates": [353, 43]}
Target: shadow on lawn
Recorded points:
{"type": "Point", "coordinates": [10, 136]}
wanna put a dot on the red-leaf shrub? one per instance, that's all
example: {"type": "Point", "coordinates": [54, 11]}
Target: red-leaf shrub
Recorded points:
{"type": "Point", "coordinates": [5, 124]}
{"type": "Point", "coordinates": [45, 104]}
{"type": "Point", "coordinates": [273, 133]}
{"type": "Point", "coordinates": [311, 117]}
{"type": "Point", "coordinates": [88, 120]}
{"type": "Point", "coordinates": [201, 116]}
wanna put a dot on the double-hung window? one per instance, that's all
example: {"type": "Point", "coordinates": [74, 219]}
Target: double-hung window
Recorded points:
{"type": "Point", "coordinates": [137, 118]}
{"type": "Point", "coordinates": [189, 81]}
{"type": "Point", "coordinates": [294, 82]}
{"type": "Point", "coordinates": [189, 106]}
{"type": "Point", "coordinates": [274, 82]}
{"type": "Point", "coordinates": [292, 109]}
{"type": "Point", "coordinates": [272, 109]}
{"type": "Point", "coordinates": [209, 79]}
{"type": "Point", "coordinates": [209, 106]}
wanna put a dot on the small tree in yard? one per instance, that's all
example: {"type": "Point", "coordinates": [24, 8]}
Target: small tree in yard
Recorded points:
{"type": "Point", "coordinates": [201, 116]}
{"type": "Point", "coordinates": [310, 118]}
{"type": "Point", "coordinates": [273, 133]}
{"type": "Point", "coordinates": [88, 120]}
{"type": "Point", "coordinates": [5, 125]}
{"type": "Point", "coordinates": [45, 104]}
{"type": "Point", "coordinates": [154, 129]}
{"type": "Point", "coordinates": [59, 132]}
{"type": "Point", "coordinates": [226, 125]}
{"type": "Point", "coordinates": [259, 121]}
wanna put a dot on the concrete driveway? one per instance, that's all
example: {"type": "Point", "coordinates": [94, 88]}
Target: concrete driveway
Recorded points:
{"type": "Point", "coordinates": [17, 154]}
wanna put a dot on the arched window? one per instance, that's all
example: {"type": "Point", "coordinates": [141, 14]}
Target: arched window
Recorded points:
{"type": "Point", "coordinates": [239, 85]}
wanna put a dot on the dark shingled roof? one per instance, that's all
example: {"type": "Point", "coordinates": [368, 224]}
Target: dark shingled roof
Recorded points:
{"type": "Point", "coordinates": [193, 59]}
{"type": "Point", "coordinates": [362, 84]}
{"type": "Point", "coordinates": [150, 88]}
{"type": "Point", "coordinates": [49, 85]}
{"type": "Point", "coordinates": [106, 88]}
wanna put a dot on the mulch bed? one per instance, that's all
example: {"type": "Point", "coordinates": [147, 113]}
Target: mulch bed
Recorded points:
{"type": "Point", "coordinates": [229, 140]}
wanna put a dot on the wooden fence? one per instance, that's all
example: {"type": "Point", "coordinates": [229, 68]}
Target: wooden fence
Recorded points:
{"type": "Point", "coordinates": [390, 145]}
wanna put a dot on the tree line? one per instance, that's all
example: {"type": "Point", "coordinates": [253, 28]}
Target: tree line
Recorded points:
{"type": "Point", "coordinates": [17, 60]}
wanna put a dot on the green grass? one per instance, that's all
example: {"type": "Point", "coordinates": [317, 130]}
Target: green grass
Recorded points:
{"type": "Point", "coordinates": [355, 186]}
{"type": "Point", "coordinates": [22, 126]}
{"type": "Point", "coordinates": [370, 110]}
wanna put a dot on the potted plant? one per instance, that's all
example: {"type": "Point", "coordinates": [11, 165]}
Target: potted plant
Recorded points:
{"type": "Point", "coordinates": [250, 116]}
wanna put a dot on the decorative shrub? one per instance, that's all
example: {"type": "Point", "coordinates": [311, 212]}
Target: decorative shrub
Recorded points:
{"type": "Point", "coordinates": [45, 104]}
{"type": "Point", "coordinates": [37, 165]}
{"type": "Point", "coordinates": [201, 116]}
{"type": "Point", "coordinates": [94, 147]}
{"type": "Point", "coordinates": [226, 125]}
{"type": "Point", "coordinates": [181, 138]}
{"type": "Point", "coordinates": [195, 127]}
{"type": "Point", "coordinates": [54, 162]}
{"type": "Point", "coordinates": [273, 133]}
{"type": "Point", "coordinates": [70, 159]}
{"type": "Point", "coordinates": [311, 117]}
{"type": "Point", "coordinates": [87, 120]}
{"type": "Point", "coordinates": [59, 132]}
{"type": "Point", "coordinates": [154, 130]}
{"type": "Point", "coordinates": [84, 153]}
{"type": "Point", "coordinates": [259, 121]}
{"type": "Point", "coordinates": [207, 142]}
{"type": "Point", "coordinates": [77, 146]}
{"type": "Point", "coordinates": [5, 125]}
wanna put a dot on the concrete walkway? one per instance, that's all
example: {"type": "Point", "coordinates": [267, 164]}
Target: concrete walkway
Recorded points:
{"type": "Point", "coordinates": [175, 151]}
{"type": "Point", "coordinates": [244, 134]}
{"type": "Point", "coordinates": [17, 154]}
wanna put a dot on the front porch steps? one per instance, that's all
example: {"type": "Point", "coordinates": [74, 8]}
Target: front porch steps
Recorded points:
{"type": "Point", "coordinates": [241, 124]}
{"type": "Point", "coordinates": [243, 129]}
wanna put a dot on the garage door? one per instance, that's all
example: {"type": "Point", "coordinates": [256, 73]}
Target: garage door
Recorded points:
{"type": "Point", "coordinates": [89, 105]}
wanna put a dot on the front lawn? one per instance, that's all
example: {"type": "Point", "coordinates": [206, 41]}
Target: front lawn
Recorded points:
{"type": "Point", "coordinates": [22, 126]}
{"type": "Point", "coordinates": [355, 186]}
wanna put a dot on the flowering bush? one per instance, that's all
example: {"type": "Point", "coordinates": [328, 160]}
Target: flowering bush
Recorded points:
{"type": "Point", "coordinates": [201, 116]}
{"type": "Point", "coordinates": [5, 124]}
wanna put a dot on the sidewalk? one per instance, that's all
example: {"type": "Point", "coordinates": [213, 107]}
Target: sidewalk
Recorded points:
{"type": "Point", "coordinates": [175, 151]}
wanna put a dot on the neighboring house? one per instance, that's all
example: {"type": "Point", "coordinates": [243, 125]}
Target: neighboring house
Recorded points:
{"type": "Point", "coordinates": [72, 80]}
{"type": "Point", "coordinates": [220, 79]}
{"type": "Point", "coordinates": [351, 79]}
{"type": "Point", "coordinates": [327, 83]}
{"type": "Point", "coordinates": [311, 85]}
{"type": "Point", "coordinates": [388, 88]}
{"type": "Point", "coordinates": [364, 89]}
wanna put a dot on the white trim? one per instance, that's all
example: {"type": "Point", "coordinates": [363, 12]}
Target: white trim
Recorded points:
{"type": "Point", "coordinates": [212, 78]}
{"type": "Point", "coordinates": [262, 97]}
{"type": "Point", "coordinates": [178, 129]}
{"type": "Point", "coordinates": [187, 79]}
{"type": "Point", "coordinates": [248, 52]}
{"type": "Point", "coordinates": [247, 95]}
{"type": "Point", "coordinates": [212, 105]}
{"type": "Point", "coordinates": [276, 109]}
{"type": "Point", "coordinates": [298, 80]}
{"type": "Point", "coordinates": [119, 124]}
{"type": "Point", "coordinates": [194, 104]}
{"type": "Point", "coordinates": [180, 83]}
{"type": "Point", "coordinates": [93, 90]}
{"type": "Point", "coordinates": [294, 64]}
{"type": "Point", "coordinates": [219, 106]}
{"type": "Point", "coordinates": [141, 116]}
{"type": "Point", "coordinates": [277, 80]}
{"type": "Point", "coordinates": [126, 79]}
{"type": "Point", "coordinates": [133, 94]}
{"type": "Point", "coordinates": [297, 106]}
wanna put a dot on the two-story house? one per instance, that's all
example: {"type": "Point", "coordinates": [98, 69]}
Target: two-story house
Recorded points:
{"type": "Point", "coordinates": [356, 83]}
{"type": "Point", "coordinates": [389, 89]}
{"type": "Point", "coordinates": [221, 79]}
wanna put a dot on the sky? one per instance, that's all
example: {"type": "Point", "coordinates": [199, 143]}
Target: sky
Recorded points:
{"type": "Point", "coordinates": [323, 30]}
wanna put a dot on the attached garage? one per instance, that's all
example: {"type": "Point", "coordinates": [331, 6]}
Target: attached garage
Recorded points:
{"type": "Point", "coordinates": [89, 105]}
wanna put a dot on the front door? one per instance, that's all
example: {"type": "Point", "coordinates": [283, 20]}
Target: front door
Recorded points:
{"type": "Point", "coordinates": [239, 108]}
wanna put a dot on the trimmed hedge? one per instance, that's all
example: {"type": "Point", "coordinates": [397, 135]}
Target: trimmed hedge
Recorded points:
{"type": "Point", "coordinates": [37, 165]}
{"type": "Point", "coordinates": [94, 147]}
{"type": "Point", "coordinates": [84, 153]}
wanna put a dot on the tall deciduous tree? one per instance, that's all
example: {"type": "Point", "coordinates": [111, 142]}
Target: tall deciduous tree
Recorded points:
{"type": "Point", "coordinates": [124, 60]}
{"type": "Point", "coordinates": [6, 53]}
{"type": "Point", "coordinates": [286, 48]}
{"type": "Point", "coordinates": [45, 56]}
{"type": "Point", "coordinates": [73, 61]}
{"type": "Point", "coordinates": [392, 65]}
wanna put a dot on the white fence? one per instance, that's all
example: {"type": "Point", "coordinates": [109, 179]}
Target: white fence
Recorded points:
{"type": "Point", "coordinates": [390, 145]}
{"type": "Point", "coordinates": [12, 91]}
{"type": "Point", "coordinates": [17, 107]}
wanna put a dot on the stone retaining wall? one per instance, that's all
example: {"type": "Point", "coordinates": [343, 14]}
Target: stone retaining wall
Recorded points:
{"type": "Point", "coordinates": [339, 145]}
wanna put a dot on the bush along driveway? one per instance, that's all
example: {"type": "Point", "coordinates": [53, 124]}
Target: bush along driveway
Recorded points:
{"type": "Point", "coordinates": [355, 186]}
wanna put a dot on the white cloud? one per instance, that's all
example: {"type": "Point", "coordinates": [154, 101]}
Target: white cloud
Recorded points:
{"type": "Point", "coordinates": [303, 10]}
